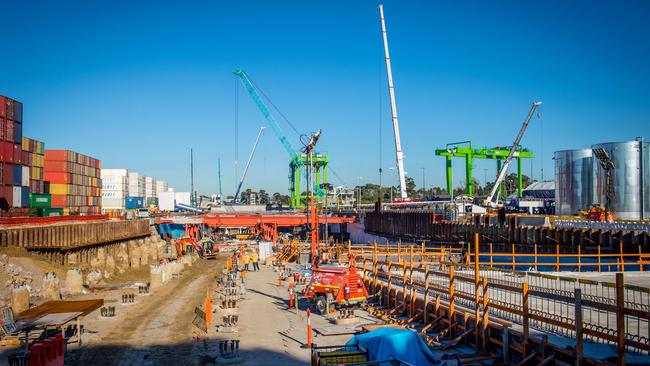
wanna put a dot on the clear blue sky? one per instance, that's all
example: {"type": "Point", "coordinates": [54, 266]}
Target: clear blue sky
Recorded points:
{"type": "Point", "coordinates": [137, 84]}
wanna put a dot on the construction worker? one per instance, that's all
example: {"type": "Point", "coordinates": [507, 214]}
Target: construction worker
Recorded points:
{"type": "Point", "coordinates": [256, 259]}
{"type": "Point", "coordinates": [245, 259]}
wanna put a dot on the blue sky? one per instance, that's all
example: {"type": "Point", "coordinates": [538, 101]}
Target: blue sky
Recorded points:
{"type": "Point", "coordinates": [137, 84]}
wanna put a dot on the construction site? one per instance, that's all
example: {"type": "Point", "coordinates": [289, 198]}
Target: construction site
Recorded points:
{"type": "Point", "coordinates": [101, 264]}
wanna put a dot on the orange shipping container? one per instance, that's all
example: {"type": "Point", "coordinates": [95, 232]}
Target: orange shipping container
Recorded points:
{"type": "Point", "coordinates": [57, 177]}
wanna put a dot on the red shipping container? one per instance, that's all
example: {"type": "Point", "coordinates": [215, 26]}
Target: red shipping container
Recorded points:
{"type": "Point", "coordinates": [57, 177]}
{"type": "Point", "coordinates": [8, 148]}
{"type": "Point", "coordinates": [9, 131]}
{"type": "Point", "coordinates": [2, 129]}
{"type": "Point", "coordinates": [3, 106]}
{"type": "Point", "coordinates": [57, 166]}
{"type": "Point", "coordinates": [8, 174]}
{"type": "Point", "coordinates": [57, 155]}
{"type": "Point", "coordinates": [8, 194]}
{"type": "Point", "coordinates": [18, 154]}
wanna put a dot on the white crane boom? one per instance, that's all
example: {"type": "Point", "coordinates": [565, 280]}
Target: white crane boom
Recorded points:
{"type": "Point", "coordinates": [513, 148]}
{"type": "Point", "coordinates": [393, 107]}
{"type": "Point", "coordinates": [248, 163]}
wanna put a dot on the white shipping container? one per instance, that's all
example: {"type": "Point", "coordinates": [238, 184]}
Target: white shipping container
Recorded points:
{"type": "Point", "coordinates": [114, 194]}
{"type": "Point", "coordinates": [166, 201]}
{"type": "Point", "coordinates": [114, 187]}
{"type": "Point", "coordinates": [161, 186]}
{"type": "Point", "coordinates": [17, 201]}
{"type": "Point", "coordinates": [115, 180]}
{"type": "Point", "coordinates": [183, 197]}
{"type": "Point", "coordinates": [25, 176]}
{"type": "Point", "coordinates": [113, 203]}
{"type": "Point", "coordinates": [114, 173]}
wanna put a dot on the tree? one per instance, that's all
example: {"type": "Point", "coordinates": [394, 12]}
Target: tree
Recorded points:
{"type": "Point", "coordinates": [410, 186]}
{"type": "Point", "coordinates": [263, 197]}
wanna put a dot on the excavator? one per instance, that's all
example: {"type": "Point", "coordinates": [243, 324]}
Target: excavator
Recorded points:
{"type": "Point", "coordinates": [205, 248]}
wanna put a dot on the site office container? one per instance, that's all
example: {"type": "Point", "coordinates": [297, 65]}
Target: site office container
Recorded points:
{"type": "Point", "coordinates": [40, 200]}
{"type": "Point", "coordinates": [50, 211]}
{"type": "Point", "coordinates": [134, 202]}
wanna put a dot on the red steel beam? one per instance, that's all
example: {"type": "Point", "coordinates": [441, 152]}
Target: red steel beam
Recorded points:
{"type": "Point", "coordinates": [251, 220]}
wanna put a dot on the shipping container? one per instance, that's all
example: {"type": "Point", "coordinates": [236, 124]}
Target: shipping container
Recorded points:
{"type": "Point", "coordinates": [24, 197]}
{"type": "Point", "coordinates": [3, 106]}
{"type": "Point", "coordinates": [18, 154]}
{"type": "Point", "coordinates": [134, 202]}
{"type": "Point", "coordinates": [8, 148]}
{"type": "Point", "coordinates": [40, 200]}
{"type": "Point", "coordinates": [18, 112]}
{"type": "Point", "coordinates": [17, 195]}
{"type": "Point", "coordinates": [25, 176]}
{"type": "Point", "coordinates": [17, 175]}
{"type": "Point", "coordinates": [7, 193]}
{"type": "Point", "coordinates": [47, 212]}
{"type": "Point", "coordinates": [152, 201]}
{"type": "Point", "coordinates": [8, 174]}
{"type": "Point", "coordinates": [166, 201]}
{"type": "Point", "coordinates": [10, 108]}
{"type": "Point", "coordinates": [9, 130]}
{"type": "Point", "coordinates": [18, 132]}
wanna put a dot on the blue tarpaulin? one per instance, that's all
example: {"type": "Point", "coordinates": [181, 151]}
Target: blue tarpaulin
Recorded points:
{"type": "Point", "coordinates": [393, 343]}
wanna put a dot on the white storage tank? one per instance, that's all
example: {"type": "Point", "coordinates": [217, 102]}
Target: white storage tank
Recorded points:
{"type": "Point", "coordinates": [573, 181]}
{"type": "Point", "coordinates": [631, 179]}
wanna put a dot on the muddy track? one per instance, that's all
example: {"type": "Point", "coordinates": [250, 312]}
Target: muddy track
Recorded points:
{"type": "Point", "coordinates": [158, 330]}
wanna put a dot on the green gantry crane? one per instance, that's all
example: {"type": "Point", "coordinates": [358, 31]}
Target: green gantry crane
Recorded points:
{"type": "Point", "coordinates": [456, 150]}
{"type": "Point", "coordinates": [298, 161]}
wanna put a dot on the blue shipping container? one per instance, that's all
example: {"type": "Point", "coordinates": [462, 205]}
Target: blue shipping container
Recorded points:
{"type": "Point", "coordinates": [24, 194]}
{"type": "Point", "coordinates": [18, 133]}
{"type": "Point", "coordinates": [134, 202]}
{"type": "Point", "coordinates": [18, 175]}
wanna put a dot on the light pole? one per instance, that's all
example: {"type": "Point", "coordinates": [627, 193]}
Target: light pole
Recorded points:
{"type": "Point", "coordinates": [391, 186]}
{"type": "Point", "coordinates": [359, 194]}
{"type": "Point", "coordinates": [424, 182]}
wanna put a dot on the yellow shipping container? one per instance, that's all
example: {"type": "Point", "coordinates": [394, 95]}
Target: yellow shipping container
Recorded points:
{"type": "Point", "coordinates": [60, 188]}
{"type": "Point", "coordinates": [25, 144]}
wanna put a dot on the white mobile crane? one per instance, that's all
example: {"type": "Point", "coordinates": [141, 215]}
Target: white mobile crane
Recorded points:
{"type": "Point", "coordinates": [248, 163]}
{"type": "Point", "coordinates": [391, 91]}
{"type": "Point", "coordinates": [504, 168]}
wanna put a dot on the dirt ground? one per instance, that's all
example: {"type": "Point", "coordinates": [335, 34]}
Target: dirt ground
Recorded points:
{"type": "Point", "coordinates": [156, 330]}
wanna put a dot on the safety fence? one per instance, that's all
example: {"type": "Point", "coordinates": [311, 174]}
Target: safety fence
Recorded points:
{"type": "Point", "coordinates": [599, 312]}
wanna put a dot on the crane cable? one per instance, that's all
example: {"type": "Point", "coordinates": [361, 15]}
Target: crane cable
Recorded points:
{"type": "Point", "coordinates": [275, 107]}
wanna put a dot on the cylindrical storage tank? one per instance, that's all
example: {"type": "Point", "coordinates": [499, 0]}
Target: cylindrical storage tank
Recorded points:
{"type": "Point", "coordinates": [631, 179]}
{"type": "Point", "coordinates": [573, 181]}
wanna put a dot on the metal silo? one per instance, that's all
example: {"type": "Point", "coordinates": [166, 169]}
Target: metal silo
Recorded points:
{"type": "Point", "coordinates": [573, 181]}
{"type": "Point", "coordinates": [631, 179]}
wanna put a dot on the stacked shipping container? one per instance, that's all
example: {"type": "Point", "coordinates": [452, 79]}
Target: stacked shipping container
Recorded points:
{"type": "Point", "coordinates": [161, 186]}
{"type": "Point", "coordinates": [14, 162]}
{"type": "Point", "coordinates": [75, 182]}
{"type": "Point", "coordinates": [114, 189]}
{"type": "Point", "coordinates": [136, 184]}
{"type": "Point", "coordinates": [150, 191]}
